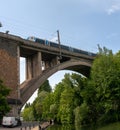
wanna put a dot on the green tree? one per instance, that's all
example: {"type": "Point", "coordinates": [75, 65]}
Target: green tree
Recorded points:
{"type": "Point", "coordinates": [74, 84]}
{"type": "Point", "coordinates": [38, 105]}
{"type": "Point", "coordinates": [66, 106]}
{"type": "Point", "coordinates": [27, 105]}
{"type": "Point", "coordinates": [27, 114]}
{"type": "Point", "coordinates": [59, 88]}
{"type": "Point", "coordinates": [55, 102]}
{"type": "Point", "coordinates": [47, 102]}
{"type": "Point", "coordinates": [4, 92]}
{"type": "Point", "coordinates": [105, 76]}
{"type": "Point", "coordinates": [79, 82]}
{"type": "Point", "coordinates": [67, 96]}
{"type": "Point", "coordinates": [81, 115]}
{"type": "Point", "coordinates": [53, 111]}
{"type": "Point", "coordinates": [89, 105]}
{"type": "Point", "coordinates": [45, 87]}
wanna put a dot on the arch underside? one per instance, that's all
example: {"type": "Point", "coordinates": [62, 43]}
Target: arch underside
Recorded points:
{"type": "Point", "coordinates": [84, 70]}
{"type": "Point", "coordinates": [32, 85]}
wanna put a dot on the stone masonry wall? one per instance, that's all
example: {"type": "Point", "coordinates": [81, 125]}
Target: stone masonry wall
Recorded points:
{"type": "Point", "coordinates": [8, 65]}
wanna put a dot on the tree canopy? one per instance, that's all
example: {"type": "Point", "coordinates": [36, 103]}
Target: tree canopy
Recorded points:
{"type": "Point", "coordinates": [80, 100]}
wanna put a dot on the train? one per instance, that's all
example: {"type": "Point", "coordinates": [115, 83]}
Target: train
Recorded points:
{"type": "Point", "coordinates": [56, 45]}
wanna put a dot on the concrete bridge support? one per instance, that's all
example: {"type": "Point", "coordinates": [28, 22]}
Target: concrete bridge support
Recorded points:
{"type": "Point", "coordinates": [52, 62]}
{"type": "Point", "coordinates": [9, 71]}
{"type": "Point", "coordinates": [33, 65]}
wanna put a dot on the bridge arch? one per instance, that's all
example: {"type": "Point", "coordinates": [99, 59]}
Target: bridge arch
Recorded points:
{"type": "Point", "coordinates": [78, 66]}
{"type": "Point", "coordinates": [32, 85]}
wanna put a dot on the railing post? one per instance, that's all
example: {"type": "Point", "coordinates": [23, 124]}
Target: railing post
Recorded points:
{"type": "Point", "coordinates": [30, 127]}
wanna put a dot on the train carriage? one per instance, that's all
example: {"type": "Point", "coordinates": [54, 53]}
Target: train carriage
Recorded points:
{"type": "Point", "coordinates": [64, 47]}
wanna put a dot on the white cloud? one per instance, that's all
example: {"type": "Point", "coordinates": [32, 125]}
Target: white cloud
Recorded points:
{"type": "Point", "coordinates": [114, 8]}
{"type": "Point", "coordinates": [109, 6]}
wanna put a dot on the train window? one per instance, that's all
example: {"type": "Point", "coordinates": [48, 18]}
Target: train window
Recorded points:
{"type": "Point", "coordinates": [89, 53]}
{"type": "Point", "coordinates": [41, 41]}
{"type": "Point", "coordinates": [70, 49]}
{"type": "Point", "coordinates": [47, 42]}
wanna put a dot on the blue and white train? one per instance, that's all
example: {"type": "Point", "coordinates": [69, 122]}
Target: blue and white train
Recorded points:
{"type": "Point", "coordinates": [64, 47]}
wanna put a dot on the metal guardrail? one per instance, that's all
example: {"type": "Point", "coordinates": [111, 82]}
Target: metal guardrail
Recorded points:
{"type": "Point", "coordinates": [29, 125]}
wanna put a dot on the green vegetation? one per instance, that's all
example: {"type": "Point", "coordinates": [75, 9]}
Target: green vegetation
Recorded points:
{"type": "Point", "coordinates": [36, 111]}
{"type": "Point", "coordinates": [80, 100]}
{"type": "Point", "coordinates": [4, 92]}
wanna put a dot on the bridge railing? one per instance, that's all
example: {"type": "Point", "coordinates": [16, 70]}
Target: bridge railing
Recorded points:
{"type": "Point", "coordinates": [28, 125]}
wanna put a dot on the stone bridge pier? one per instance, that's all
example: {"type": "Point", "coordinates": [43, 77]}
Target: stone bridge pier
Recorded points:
{"type": "Point", "coordinates": [36, 63]}
{"type": "Point", "coordinates": [9, 70]}
{"type": "Point", "coordinates": [33, 65]}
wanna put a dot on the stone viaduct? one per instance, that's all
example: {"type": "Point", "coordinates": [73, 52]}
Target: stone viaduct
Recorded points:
{"type": "Point", "coordinates": [41, 62]}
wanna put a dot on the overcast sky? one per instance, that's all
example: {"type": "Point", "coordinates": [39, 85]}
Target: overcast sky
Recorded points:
{"type": "Point", "coordinates": [82, 23]}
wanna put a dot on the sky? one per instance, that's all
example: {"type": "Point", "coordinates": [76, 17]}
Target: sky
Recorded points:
{"type": "Point", "coordinates": [82, 24]}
